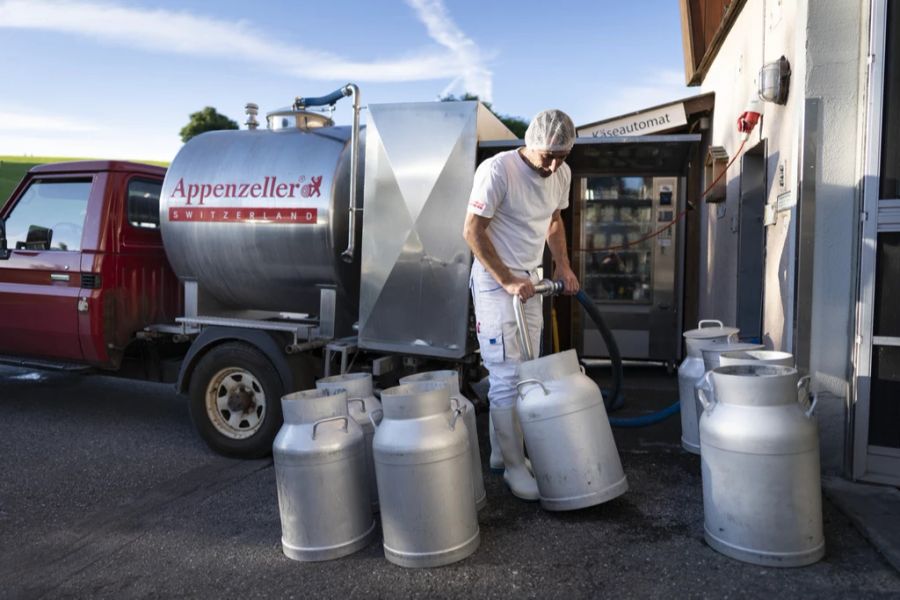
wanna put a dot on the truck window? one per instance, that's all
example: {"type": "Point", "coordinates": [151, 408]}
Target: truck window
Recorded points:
{"type": "Point", "coordinates": [142, 203]}
{"type": "Point", "coordinates": [49, 216]}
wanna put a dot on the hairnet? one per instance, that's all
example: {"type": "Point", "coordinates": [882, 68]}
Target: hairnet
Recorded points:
{"type": "Point", "coordinates": [551, 131]}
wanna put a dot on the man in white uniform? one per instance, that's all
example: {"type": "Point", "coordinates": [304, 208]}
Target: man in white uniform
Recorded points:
{"type": "Point", "coordinates": [515, 206]}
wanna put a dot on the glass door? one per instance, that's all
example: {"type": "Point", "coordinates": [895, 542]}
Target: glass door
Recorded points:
{"type": "Point", "coordinates": [876, 414]}
{"type": "Point", "coordinates": [617, 263]}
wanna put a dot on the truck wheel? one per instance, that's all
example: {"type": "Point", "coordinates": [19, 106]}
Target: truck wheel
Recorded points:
{"type": "Point", "coordinates": [235, 400]}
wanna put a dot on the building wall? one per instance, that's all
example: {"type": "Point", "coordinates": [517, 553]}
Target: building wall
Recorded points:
{"type": "Point", "coordinates": [822, 41]}
{"type": "Point", "coordinates": [835, 65]}
{"type": "Point", "coordinates": [732, 77]}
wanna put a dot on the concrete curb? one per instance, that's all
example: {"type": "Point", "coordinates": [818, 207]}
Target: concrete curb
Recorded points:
{"type": "Point", "coordinates": [874, 511]}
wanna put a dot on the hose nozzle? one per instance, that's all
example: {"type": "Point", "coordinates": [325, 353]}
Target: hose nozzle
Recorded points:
{"type": "Point", "coordinates": [547, 287]}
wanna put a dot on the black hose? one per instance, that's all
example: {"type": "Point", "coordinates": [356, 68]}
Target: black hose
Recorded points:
{"type": "Point", "coordinates": [614, 399]}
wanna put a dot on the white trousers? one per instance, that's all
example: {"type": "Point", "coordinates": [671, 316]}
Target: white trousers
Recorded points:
{"type": "Point", "coordinates": [495, 323]}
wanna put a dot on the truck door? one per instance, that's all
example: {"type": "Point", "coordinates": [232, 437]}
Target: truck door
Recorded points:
{"type": "Point", "coordinates": [40, 281]}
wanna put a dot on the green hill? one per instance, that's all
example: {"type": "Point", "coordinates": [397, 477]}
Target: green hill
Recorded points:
{"type": "Point", "coordinates": [13, 169]}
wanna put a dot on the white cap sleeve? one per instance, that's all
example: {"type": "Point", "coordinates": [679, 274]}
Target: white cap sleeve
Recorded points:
{"type": "Point", "coordinates": [565, 187]}
{"type": "Point", "coordinates": [488, 189]}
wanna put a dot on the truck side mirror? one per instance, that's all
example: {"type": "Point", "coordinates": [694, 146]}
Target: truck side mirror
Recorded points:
{"type": "Point", "coordinates": [4, 250]}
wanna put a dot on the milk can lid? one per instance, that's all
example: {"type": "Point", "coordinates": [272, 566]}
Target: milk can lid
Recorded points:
{"type": "Point", "coordinates": [713, 329]}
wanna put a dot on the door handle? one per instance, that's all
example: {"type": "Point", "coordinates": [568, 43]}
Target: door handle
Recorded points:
{"type": "Point", "coordinates": [59, 277]}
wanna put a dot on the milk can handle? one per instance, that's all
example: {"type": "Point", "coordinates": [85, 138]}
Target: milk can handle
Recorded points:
{"type": "Point", "coordinates": [717, 322]}
{"type": "Point", "coordinates": [803, 385]}
{"type": "Point", "coordinates": [346, 421]}
{"type": "Point", "coordinates": [812, 406]}
{"type": "Point", "coordinates": [372, 414]}
{"type": "Point", "coordinates": [527, 381]}
{"type": "Point", "coordinates": [362, 403]}
{"type": "Point", "coordinates": [702, 386]}
{"type": "Point", "coordinates": [455, 400]}
{"type": "Point", "coordinates": [456, 412]}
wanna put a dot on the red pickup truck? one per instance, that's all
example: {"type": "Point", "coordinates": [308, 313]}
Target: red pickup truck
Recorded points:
{"type": "Point", "coordinates": [85, 282]}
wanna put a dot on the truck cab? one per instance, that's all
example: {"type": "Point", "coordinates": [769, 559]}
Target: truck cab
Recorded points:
{"type": "Point", "coordinates": [83, 268]}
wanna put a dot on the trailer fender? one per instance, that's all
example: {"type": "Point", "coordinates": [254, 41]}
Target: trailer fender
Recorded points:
{"type": "Point", "coordinates": [264, 341]}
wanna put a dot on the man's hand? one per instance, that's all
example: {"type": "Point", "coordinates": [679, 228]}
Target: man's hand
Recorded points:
{"type": "Point", "coordinates": [519, 286]}
{"type": "Point", "coordinates": [565, 274]}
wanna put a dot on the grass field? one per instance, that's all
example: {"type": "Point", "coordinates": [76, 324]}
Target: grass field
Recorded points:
{"type": "Point", "coordinates": [13, 169]}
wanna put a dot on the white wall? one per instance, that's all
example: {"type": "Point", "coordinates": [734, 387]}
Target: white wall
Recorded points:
{"type": "Point", "coordinates": [821, 40]}
{"type": "Point", "coordinates": [833, 74]}
{"type": "Point", "coordinates": [760, 34]}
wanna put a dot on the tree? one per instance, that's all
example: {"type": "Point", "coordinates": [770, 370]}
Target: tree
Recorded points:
{"type": "Point", "coordinates": [517, 125]}
{"type": "Point", "coordinates": [208, 119]}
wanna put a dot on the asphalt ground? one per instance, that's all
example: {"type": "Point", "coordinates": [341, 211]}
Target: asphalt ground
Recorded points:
{"type": "Point", "coordinates": [106, 492]}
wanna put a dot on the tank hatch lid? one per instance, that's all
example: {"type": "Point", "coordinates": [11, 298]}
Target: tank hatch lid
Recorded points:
{"type": "Point", "coordinates": [291, 118]}
{"type": "Point", "coordinates": [648, 155]}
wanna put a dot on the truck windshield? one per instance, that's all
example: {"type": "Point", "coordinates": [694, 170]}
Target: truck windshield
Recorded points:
{"type": "Point", "coordinates": [49, 216]}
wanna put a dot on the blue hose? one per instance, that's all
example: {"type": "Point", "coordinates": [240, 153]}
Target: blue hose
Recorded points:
{"type": "Point", "coordinates": [615, 399]}
{"type": "Point", "coordinates": [644, 420]}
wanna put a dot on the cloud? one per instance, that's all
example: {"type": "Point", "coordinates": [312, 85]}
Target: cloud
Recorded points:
{"type": "Point", "coordinates": [475, 77]}
{"type": "Point", "coordinates": [16, 121]}
{"type": "Point", "coordinates": [180, 32]}
{"type": "Point", "coordinates": [652, 89]}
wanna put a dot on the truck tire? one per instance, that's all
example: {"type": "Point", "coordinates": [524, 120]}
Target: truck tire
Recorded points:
{"type": "Point", "coordinates": [235, 400]}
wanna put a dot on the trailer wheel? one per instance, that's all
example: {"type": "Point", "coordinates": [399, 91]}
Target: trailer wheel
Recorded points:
{"type": "Point", "coordinates": [235, 400]}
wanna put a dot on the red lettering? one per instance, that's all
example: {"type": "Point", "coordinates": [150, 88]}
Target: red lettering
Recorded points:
{"type": "Point", "coordinates": [293, 193]}
{"type": "Point", "coordinates": [217, 190]}
{"type": "Point", "coordinates": [255, 190]}
{"type": "Point", "coordinates": [280, 190]}
{"type": "Point", "coordinates": [193, 189]}
{"type": "Point", "coordinates": [179, 188]}
{"type": "Point", "coordinates": [314, 189]}
{"type": "Point", "coordinates": [234, 214]}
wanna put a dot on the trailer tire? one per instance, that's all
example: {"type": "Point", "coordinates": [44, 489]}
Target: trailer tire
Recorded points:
{"type": "Point", "coordinates": [235, 400]}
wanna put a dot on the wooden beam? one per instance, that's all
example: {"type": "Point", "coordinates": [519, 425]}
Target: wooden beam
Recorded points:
{"type": "Point", "coordinates": [687, 41]}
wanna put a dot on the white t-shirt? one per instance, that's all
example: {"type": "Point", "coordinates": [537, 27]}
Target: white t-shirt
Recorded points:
{"type": "Point", "coordinates": [519, 203]}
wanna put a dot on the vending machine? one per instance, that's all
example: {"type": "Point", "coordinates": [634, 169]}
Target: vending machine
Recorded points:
{"type": "Point", "coordinates": [628, 250]}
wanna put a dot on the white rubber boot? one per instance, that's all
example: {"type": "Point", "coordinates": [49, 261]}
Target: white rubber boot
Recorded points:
{"type": "Point", "coordinates": [516, 473]}
{"type": "Point", "coordinates": [496, 455]}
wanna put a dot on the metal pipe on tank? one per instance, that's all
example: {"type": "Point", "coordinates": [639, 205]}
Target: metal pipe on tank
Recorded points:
{"type": "Point", "coordinates": [351, 88]}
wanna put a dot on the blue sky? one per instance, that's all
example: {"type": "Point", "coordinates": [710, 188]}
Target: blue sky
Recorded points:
{"type": "Point", "coordinates": [118, 78]}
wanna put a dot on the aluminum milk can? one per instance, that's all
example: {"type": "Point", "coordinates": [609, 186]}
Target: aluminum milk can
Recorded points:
{"type": "Point", "coordinates": [424, 472]}
{"type": "Point", "coordinates": [756, 357]}
{"type": "Point", "coordinates": [708, 332]}
{"type": "Point", "coordinates": [567, 434]}
{"type": "Point", "coordinates": [320, 470]}
{"type": "Point", "coordinates": [711, 359]}
{"type": "Point", "coordinates": [457, 400]}
{"type": "Point", "coordinates": [762, 498]}
{"type": "Point", "coordinates": [361, 402]}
